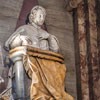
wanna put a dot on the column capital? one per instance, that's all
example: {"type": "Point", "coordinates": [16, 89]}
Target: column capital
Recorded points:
{"type": "Point", "coordinates": [71, 4]}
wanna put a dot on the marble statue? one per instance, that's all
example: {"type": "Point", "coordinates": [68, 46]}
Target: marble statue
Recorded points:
{"type": "Point", "coordinates": [40, 58]}
{"type": "Point", "coordinates": [33, 33]}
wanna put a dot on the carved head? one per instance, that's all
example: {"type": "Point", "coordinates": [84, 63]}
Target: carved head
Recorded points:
{"type": "Point", "coordinates": [37, 15]}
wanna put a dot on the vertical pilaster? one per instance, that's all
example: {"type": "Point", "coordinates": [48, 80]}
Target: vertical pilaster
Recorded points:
{"type": "Point", "coordinates": [88, 34]}
{"type": "Point", "coordinates": [95, 42]}
{"type": "Point", "coordinates": [83, 51]}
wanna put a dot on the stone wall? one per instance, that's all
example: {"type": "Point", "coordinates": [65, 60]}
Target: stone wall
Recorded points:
{"type": "Point", "coordinates": [9, 12]}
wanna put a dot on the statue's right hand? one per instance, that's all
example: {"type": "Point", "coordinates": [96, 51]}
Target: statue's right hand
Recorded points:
{"type": "Point", "coordinates": [16, 41]}
{"type": "Point", "coordinates": [20, 40]}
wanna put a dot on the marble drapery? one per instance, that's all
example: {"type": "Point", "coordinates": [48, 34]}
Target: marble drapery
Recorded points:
{"type": "Point", "coordinates": [47, 71]}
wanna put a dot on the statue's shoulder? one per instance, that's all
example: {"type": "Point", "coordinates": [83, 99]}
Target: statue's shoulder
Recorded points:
{"type": "Point", "coordinates": [23, 27]}
{"type": "Point", "coordinates": [27, 26]}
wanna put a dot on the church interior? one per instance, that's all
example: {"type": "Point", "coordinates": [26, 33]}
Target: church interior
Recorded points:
{"type": "Point", "coordinates": [76, 24]}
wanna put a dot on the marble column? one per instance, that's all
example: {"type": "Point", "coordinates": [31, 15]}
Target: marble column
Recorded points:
{"type": "Point", "coordinates": [94, 48]}
{"type": "Point", "coordinates": [83, 51]}
{"type": "Point", "coordinates": [88, 49]}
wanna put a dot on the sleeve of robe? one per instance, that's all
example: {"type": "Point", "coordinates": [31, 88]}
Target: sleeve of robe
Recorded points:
{"type": "Point", "coordinates": [53, 43]}
{"type": "Point", "coordinates": [16, 38]}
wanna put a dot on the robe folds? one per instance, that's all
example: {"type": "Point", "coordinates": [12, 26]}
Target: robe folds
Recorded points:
{"type": "Point", "coordinates": [47, 72]}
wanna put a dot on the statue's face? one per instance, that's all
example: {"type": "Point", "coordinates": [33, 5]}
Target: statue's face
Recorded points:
{"type": "Point", "coordinates": [39, 18]}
